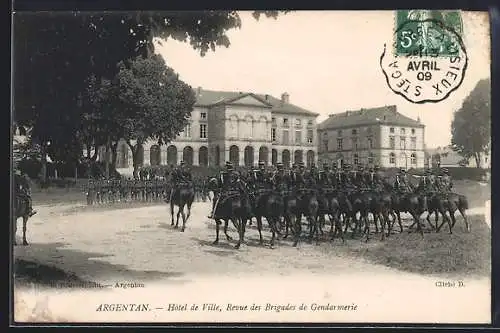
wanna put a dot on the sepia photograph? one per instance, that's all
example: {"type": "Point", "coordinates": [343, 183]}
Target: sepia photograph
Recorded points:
{"type": "Point", "coordinates": [251, 167]}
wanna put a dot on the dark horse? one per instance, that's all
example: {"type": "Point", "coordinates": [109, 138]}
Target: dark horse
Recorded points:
{"type": "Point", "coordinates": [21, 209]}
{"type": "Point", "coordinates": [451, 202]}
{"type": "Point", "coordinates": [233, 206]}
{"type": "Point", "coordinates": [182, 195]}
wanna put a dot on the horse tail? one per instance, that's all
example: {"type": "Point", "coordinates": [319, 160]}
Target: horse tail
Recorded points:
{"type": "Point", "coordinates": [463, 202]}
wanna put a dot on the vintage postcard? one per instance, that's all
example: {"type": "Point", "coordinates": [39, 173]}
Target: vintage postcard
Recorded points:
{"type": "Point", "coordinates": [251, 166]}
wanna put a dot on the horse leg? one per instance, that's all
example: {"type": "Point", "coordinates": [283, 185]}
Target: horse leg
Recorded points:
{"type": "Point", "coordinates": [172, 213]}
{"type": "Point", "coordinates": [453, 219]}
{"type": "Point", "coordinates": [464, 215]}
{"type": "Point", "coordinates": [237, 225]}
{"type": "Point", "coordinates": [183, 219]}
{"type": "Point", "coordinates": [297, 225]}
{"type": "Point", "coordinates": [416, 218]}
{"type": "Point", "coordinates": [445, 219]}
{"type": "Point", "coordinates": [178, 216]}
{"type": "Point", "coordinates": [226, 224]}
{"type": "Point", "coordinates": [259, 227]}
{"type": "Point", "coordinates": [366, 230]}
{"type": "Point", "coordinates": [25, 222]}
{"type": "Point", "coordinates": [287, 225]}
{"type": "Point", "coordinates": [217, 227]}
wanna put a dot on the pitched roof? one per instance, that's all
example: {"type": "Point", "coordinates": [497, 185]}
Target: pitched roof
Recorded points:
{"type": "Point", "coordinates": [208, 98]}
{"type": "Point", "coordinates": [380, 115]}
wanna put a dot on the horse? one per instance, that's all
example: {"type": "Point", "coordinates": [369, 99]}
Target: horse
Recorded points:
{"type": "Point", "coordinates": [21, 209]}
{"type": "Point", "coordinates": [412, 203]}
{"type": "Point", "coordinates": [309, 207]}
{"type": "Point", "coordinates": [266, 203]}
{"type": "Point", "coordinates": [442, 203]}
{"type": "Point", "coordinates": [181, 195]}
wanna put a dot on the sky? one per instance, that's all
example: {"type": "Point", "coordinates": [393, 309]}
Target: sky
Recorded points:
{"type": "Point", "coordinates": [327, 61]}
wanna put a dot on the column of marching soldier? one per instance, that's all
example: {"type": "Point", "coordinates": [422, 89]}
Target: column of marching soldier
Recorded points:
{"type": "Point", "coordinates": [150, 188]}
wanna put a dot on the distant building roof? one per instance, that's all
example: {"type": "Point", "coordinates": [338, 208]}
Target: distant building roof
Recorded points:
{"type": "Point", "coordinates": [211, 97]}
{"type": "Point", "coordinates": [447, 156]}
{"type": "Point", "coordinates": [387, 115]}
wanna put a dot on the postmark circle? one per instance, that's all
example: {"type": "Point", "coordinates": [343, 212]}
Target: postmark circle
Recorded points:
{"type": "Point", "coordinates": [426, 63]}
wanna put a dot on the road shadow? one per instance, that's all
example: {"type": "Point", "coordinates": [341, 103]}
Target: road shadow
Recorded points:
{"type": "Point", "coordinates": [223, 243]}
{"type": "Point", "coordinates": [52, 263]}
{"type": "Point", "coordinates": [167, 226]}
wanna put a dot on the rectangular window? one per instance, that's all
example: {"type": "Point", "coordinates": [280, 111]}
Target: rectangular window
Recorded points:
{"type": "Point", "coordinates": [355, 143]}
{"type": "Point", "coordinates": [310, 135]}
{"type": "Point", "coordinates": [339, 144]}
{"type": "Point", "coordinates": [309, 123]}
{"type": "Point", "coordinates": [392, 158]}
{"type": "Point", "coordinates": [370, 143]}
{"type": "Point", "coordinates": [402, 142]}
{"type": "Point", "coordinates": [392, 142]}
{"type": "Point", "coordinates": [391, 130]}
{"type": "Point", "coordinates": [298, 136]}
{"type": "Point", "coordinates": [298, 123]}
{"type": "Point", "coordinates": [339, 133]}
{"type": "Point", "coordinates": [187, 131]}
{"type": "Point", "coordinates": [285, 137]}
{"type": "Point", "coordinates": [285, 122]}
{"type": "Point", "coordinates": [356, 159]}
{"type": "Point", "coordinates": [203, 131]}
{"type": "Point", "coordinates": [402, 130]}
{"type": "Point", "coordinates": [273, 134]}
{"type": "Point", "coordinates": [354, 132]}
{"type": "Point", "coordinates": [325, 145]}
{"type": "Point", "coordinates": [203, 115]}
{"type": "Point", "coordinates": [412, 131]}
{"type": "Point", "coordinates": [414, 143]}
{"type": "Point", "coordinates": [370, 159]}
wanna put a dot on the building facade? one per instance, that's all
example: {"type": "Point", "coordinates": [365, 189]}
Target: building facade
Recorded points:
{"type": "Point", "coordinates": [243, 128]}
{"type": "Point", "coordinates": [378, 136]}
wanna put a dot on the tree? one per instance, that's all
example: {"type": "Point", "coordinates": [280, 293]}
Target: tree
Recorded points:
{"type": "Point", "coordinates": [148, 101]}
{"type": "Point", "coordinates": [471, 126]}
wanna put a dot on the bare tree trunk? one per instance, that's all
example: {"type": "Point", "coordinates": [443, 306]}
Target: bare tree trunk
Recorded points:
{"type": "Point", "coordinates": [135, 157]}
{"type": "Point", "coordinates": [114, 149]}
{"type": "Point", "coordinates": [108, 148]}
{"type": "Point", "coordinates": [43, 170]}
{"type": "Point", "coordinates": [477, 157]}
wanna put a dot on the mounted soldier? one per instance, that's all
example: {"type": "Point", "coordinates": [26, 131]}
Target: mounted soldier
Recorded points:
{"type": "Point", "coordinates": [181, 176]}
{"type": "Point", "coordinates": [425, 184]}
{"type": "Point", "coordinates": [228, 183]}
{"type": "Point", "coordinates": [23, 190]}
{"type": "Point", "coordinates": [324, 179]}
{"type": "Point", "coordinates": [402, 183]}
{"type": "Point", "coordinates": [299, 176]}
{"type": "Point", "coordinates": [260, 176]}
{"type": "Point", "coordinates": [280, 178]}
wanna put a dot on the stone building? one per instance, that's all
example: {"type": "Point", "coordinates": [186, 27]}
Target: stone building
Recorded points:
{"type": "Point", "coordinates": [377, 136]}
{"type": "Point", "coordinates": [240, 127]}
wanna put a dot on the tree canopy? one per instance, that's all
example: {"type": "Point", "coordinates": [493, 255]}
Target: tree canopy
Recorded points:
{"type": "Point", "coordinates": [67, 64]}
{"type": "Point", "coordinates": [471, 126]}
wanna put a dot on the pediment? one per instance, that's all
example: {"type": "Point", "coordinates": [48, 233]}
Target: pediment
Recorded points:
{"type": "Point", "coordinates": [247, 100]}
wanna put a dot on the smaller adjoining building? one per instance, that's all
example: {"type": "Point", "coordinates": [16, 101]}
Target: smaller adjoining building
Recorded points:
{"type": "Point", "coordinates": [376, 136]}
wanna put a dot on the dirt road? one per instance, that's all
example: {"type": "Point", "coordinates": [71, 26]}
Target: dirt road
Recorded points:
{"type": "Point", "coordinates": [138, 246]}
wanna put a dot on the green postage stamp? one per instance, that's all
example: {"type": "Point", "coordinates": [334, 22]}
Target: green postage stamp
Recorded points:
{"type": "Point", "coordinates": [427, 60]}
{"type": "Point", "coordinates": [428, 32]}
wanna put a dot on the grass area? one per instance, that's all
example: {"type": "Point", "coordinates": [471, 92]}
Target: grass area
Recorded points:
{"type": "Point", "coordinates": [458, 255]}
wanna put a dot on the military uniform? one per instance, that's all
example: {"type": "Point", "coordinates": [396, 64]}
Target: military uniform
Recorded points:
{"type": "Point", "coordinates": [23, 190]}
{"type": "Point", "coordinates": [402, 183]}
{"type": "Point", "coordinates": [227, 182]}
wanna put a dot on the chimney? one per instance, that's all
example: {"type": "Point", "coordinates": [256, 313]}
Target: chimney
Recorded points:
{"type": "Point", "coordinates": [418, 119]}
{"type": "Point", "coordinates": [198, 90]}
{"type": "Point", "coordinates": [266, 97]}
{"type": "Point", "coordinates": [285, 98]}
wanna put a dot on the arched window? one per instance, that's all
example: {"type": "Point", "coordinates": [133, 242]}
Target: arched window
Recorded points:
{"type": "Point", "coordinates": [413, 159]}
{"type": "Point", "coordinates": [356, 159]}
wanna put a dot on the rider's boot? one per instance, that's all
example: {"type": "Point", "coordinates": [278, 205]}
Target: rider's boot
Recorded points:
{"type": "Point", "coordinates": [31, 211]}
